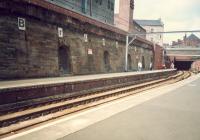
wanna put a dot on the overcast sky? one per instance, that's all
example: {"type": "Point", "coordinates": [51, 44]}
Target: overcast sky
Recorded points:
{"type": "Point", "coordinates": [176, 14]}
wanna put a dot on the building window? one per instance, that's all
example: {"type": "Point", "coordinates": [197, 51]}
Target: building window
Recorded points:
{"type": "Point", "coordinates": [99, 1]}
{"type": "Point", "coordinates": [143, 62]}
{"type": "Point", "coordinates": [83, 6]}
{"type": "Point", "coordinates": [109, 4]}
{"type": "Point", "coordinates": [106, 60]}
{"type": "Point", "coordinates": [132, 4]}
{"type": "Point", "coordinates": [112, 6]}
{"type": "Point", "coordinates": [152, 30]}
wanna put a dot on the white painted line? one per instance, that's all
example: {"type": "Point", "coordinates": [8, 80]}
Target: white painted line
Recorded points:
{"type": "Point", "coordinates": [73, 123]}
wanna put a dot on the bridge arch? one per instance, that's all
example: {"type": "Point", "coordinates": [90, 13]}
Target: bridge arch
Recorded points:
{"type": "Point", "coordinates": [143, 62]}
{"type": "Point", "coordinates": [129, 62]}
{"type": "Point", "coordinates": [64, 60]}
{"type": "Point", "coordinates": [183, 65]}
{"type": "Point", "coordinates": [106, 60]}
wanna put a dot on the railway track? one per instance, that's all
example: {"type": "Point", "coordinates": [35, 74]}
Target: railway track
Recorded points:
{"type": "Point", "coordinates": [19, 117]}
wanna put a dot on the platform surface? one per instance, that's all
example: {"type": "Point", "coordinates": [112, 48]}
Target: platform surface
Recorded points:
{"type": "Point", "coordinates": [56, 80]}
{"type": "Point", "coordinates": [174, 116]}
{"type": "Point", "coordinates": [171, 112]}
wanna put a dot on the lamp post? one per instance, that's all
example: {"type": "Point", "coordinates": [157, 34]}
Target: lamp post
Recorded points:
{"type": "Point", "coordinates": [126, 51]}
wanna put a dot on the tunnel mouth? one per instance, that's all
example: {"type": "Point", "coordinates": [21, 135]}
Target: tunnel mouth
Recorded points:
{"type": "Point", "coordinates": [183, 65]}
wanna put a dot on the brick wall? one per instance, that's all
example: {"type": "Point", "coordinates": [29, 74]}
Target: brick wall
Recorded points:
{"type": "Point", "coordinates": [34, 52]}
{"type": "Point", "coordinates": [158, 58]}
{"type": "Point", "coordinates": [196, 66]}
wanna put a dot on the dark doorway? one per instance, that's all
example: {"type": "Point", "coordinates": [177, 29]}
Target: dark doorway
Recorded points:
{"type": "Point", "coordinates": [143, 62]}
{"type": "Point", "coordinates": [151, 59]}
{"type": "Point", "coordinates": [91, 64]}
{"type": "Point", "coordinates": [64, 60]}
{"type": "Point", "coordinates": [129, 63]}
{"type": "Point", "coordinates": [183, 65]}
{"type": "Point", "coordinates": [106, 58]}
{"type": "Point", "coordinates": [137, 60]}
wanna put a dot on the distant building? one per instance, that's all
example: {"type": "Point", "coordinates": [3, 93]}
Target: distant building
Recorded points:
{"type": "Point", "coordinates": [153, 26]}
{"type": "Point", "coordinates": [192, 41]}
{"type": "Point", "coordinates": [138, 29]}
{"type": "Point", "coordinates": [124, 10]}
{"type": "Point", "coordinates": [124, 14]}
{"type": "Point", "coordinates": [166, 45]}
{"type": "Point", "coordinates": [102, 10]}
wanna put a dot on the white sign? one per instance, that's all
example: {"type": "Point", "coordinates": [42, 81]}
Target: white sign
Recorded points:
{"type": "Point", "coordinates": [85, 37]}
{"type": "Point", "coordinates": [117, 44]}
{"type": "Point", "coordinates": [135, 49]}
{"type": "Point", "coordinates": [60, 32]}
{"type": "Point", "coordinates": [90, 51]}
{"type": "Point", "coordinates": [104, 42]}
{"type": "Point", "coordinates": [21, 24]}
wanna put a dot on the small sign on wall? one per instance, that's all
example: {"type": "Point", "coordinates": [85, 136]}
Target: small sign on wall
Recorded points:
{"type": "Point", "coordinates": [60, 32]}
{"type": "Point", "coordinates": [104, 42]}
{"type": "Point", "coordinates": [85, 38]}
{"type": "Point", "coordinates": [90, 51]}
{"type": "Point", "coordinates": [21, 24]}
{"type": "Point", "coordinates": [135, 49]}
{"type": "Point", "coordinates": [117, 44]}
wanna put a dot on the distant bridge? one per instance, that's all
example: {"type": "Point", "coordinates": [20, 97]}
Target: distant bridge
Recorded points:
{"type": "Point", "coordinates": [183, 53]}
{"type": "Point", "coordinates": [183, 57]}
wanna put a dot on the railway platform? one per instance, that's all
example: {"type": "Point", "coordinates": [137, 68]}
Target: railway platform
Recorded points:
{"type": "Point", "coordinates": [167, 112]}
{"type": "Point", "coordinates": [69, 79]}
{"type": "Point", "coordinates": [22, 90]}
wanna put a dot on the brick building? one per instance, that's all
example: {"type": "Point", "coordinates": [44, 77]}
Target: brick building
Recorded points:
{"type": "Point", "coordinates": [124, 14]}
{"type": "Point", "coordinates": [138, 29]}
{"type": "Point", "coordinates": [153, 26]}
{"type": "Point", "coordinates": [42, 39]}
{"type": "Point", "coordinates": [191, 41]}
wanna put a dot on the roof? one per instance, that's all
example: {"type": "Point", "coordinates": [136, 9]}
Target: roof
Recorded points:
{"type": "Point", "coordinates": [134, 22]}
{"type": "Point", "coordinates": [193, 37]}
{"type": "Point", "coordinates": [150, 22]}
